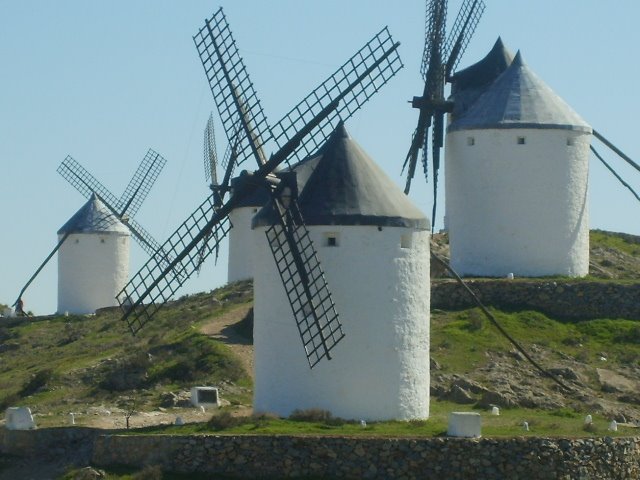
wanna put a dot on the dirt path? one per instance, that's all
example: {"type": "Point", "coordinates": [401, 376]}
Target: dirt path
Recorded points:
{"type": "Point", "coordinates": [221, 328]}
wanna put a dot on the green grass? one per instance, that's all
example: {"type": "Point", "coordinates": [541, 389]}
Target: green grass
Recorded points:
{"type": "Point", "coordinates": [548, 423]}
{"type": "Point", "coordinates": [460, 340]}
{"type": "Point", "coordinates": [616, 241]}
{"type": "Point", "coordinates": [56, 361]}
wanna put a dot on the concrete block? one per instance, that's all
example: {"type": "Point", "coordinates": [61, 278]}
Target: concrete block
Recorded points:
{"type": "Point", "coordinates": [464, 424]}
{"type": "Point", "coordinates": [19, 418]}
{"type": "Point", "coordinates": [205, 397]}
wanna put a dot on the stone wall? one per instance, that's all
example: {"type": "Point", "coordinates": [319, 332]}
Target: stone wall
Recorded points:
{"type": "Point", "coordinates": [325, 457]}
{"type": "Point", "coordinates": [337, 457]}
{"type": "Point", "coordinates": [75, 443]}
{"type": "Point", "coordinates": [582, 300]}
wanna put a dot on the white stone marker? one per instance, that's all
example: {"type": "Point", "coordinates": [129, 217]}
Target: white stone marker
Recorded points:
{"type": "Point", "coordinates": [19, 418]}
{"type": "Point", "coordinates": [464, 424]}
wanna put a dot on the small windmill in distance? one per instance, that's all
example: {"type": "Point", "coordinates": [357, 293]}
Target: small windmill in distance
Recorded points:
{"type": "Point", "coordinates": [81, 283]}
{"type": "Point", "coordinates": [240, 260]}
{"type": "Point", "coordinates": [440, 58]}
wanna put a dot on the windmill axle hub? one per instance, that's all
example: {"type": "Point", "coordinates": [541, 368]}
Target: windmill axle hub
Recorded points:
{"type": "Point", "coordinates": [432, 104]}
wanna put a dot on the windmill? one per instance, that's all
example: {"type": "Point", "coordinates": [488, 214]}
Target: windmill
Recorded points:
{"type": "Point", "coordinates": [131, 199]}
{"type": "Point", "coordinates": [222, 181]}
{"type": "Point", "coordinates": [296, 136]}
{"type": "Point", "coordinates": [440, 58]}
{"type": "Point", "coordinates": [123, 208]}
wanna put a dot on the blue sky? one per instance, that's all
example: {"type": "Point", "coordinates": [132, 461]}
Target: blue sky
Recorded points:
{"type": "Point", "coordinates": [104, 81]}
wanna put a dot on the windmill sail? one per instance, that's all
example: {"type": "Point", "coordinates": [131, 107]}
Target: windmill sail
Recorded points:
{"type": "Point", "coordinates": [304, 283]}
{"type": "Point", "coordinates": [129, 202]}
{"type": "Point", "coordinates": [440, 57]}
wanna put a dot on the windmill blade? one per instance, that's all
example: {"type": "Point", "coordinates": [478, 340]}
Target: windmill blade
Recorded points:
{"type": "Point", "coordinates": [84, 182]}
{"type": "Point", "coordinates": [210, 153]}
{"type": "Point", "coordinates": [418, 141]}
{"type": "Point", "coordinates": [39, 269]}
{"type": "Point", "coordinates": [616, 150]}
{"type": "Point", "coordinates": [232, 89]}
{"type": "Point", "coordinates": [140, 184]}
{"type": "Point", "coordinates": [436, 145]}
{"type": "Point", "coordinates": [157, 280]}
{"type": "Point", "coordinates": [304, 282]}
{"type": "Point", "coordinates": [144, 238]}
{"type": "Point", "coordinates": [463, 28]}
{"type": "Point", "coordinates": [614, 173]}
{"type": "Point", "coordinates": [434, 26]}
{"type": "Point", "coordinates": [357, 80]}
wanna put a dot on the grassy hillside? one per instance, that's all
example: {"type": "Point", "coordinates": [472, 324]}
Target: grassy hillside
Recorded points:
{"type": "Point", "coordinates": [57, 363]}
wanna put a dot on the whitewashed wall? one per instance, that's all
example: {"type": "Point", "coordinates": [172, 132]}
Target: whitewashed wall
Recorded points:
{"type": "Point", "coordinates": [380, 370]}
{"type": "Point", "coordinates": [240, 266]}
{"type": "Point", "coordinates": [92, 269]}
{"type": "Point", "coordinates": [519, 209]}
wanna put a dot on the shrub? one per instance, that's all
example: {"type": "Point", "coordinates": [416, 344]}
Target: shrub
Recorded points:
{"type": "Point", "coordinates": [150, 472]}
{"type": "Point", "coordinates": [224, 420]}
{"type": "Point", "coordinates": [310, 415]}
{"type": "Point", "coordinates": [36, 382]}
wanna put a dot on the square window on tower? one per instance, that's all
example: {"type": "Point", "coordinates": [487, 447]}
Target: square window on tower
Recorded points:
{"type": "Point", "coordinates": [331, 239]}
{"type": "Point", "coordinates": [522, 140]}
{"type": "Point", "coordinates": [406, 240]}
{"type": "Point", "coordinates": [471, 141]}
{"type": "Point", "coordinates": [570, 142]}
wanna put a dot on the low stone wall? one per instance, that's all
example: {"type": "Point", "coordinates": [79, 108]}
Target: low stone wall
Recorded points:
{"type": "Point", "coordinates": [337, 457]}
{"type": "Point", "coordinates": [75, 443]}
{"type": "Point", "coordinates": [285, 456]}
{"type": "Point", "coordinates": [561, 300]}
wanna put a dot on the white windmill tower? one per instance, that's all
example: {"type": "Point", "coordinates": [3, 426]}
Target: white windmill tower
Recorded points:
{"type": "Point", "coordinates": [516, 181]}
{"type": "Point", "coordinates": [93, 260]}
{"type": "Point", "coordinates": [240, 258]}
{"type": "Point", "coordinates": [89, 275]}
{"type": "Point", "coordinates": [374, 246]}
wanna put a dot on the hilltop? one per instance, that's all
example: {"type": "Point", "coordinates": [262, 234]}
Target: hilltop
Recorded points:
{"type": "Point", "coordinates": [92, 366]}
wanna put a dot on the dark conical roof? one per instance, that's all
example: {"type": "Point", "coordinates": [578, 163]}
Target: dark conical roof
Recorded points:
{"type": "Point", "coordinates": [93, 217]}
{"type": "Point", "coordinates": [344, 186]}
{"type": "Point", "coordinates": [519, 99]}
{"type": "Point", "coordinates": [468, 84]}
{"type": "Point", "coordinates": [485, 71]}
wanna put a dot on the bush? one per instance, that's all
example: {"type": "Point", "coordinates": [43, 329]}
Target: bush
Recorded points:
{"type": "Point", "coordinates": [10, 400]}
{"type": "Point", "coordinates": [37, 381]}
{"type": "Point", "coordinates": [310, 415]}
{"type": "Point", "coordinates": [150, 472]}
{"type": "Point", "coordinates": [476, 321]}
{"type": "Point", "coordinates": [127, 373]}
{"type": "Point", "coordinates": [224, 420]}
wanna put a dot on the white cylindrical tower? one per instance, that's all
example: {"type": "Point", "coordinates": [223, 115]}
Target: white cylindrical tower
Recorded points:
{"type": "Point", "coordinates": [240, 262]}
{"type": "Point", "coordinates": [373, 244]}
{"type": "Point", "coordinates": [516, 181]}
{"type": "Point", "coordinates": [93, 262]}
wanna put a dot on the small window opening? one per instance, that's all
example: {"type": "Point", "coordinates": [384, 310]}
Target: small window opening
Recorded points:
{"type": "Point", "coordinates": [406, 240]}
{"type": "Point", "coordinates": [471, 141]}
{"type": "Point", "coordinates": [331, 239]}
{"type": "Point", "coordinates": [255, 210]}
{"type": "Point", "coordinates": [570, 141]}
{"type": "Point", "coordinates": [102, 240]}
{"type": "Point", "coordinates": [522, 140]}
{"type": "Point", "coordinates": [77, 241]}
